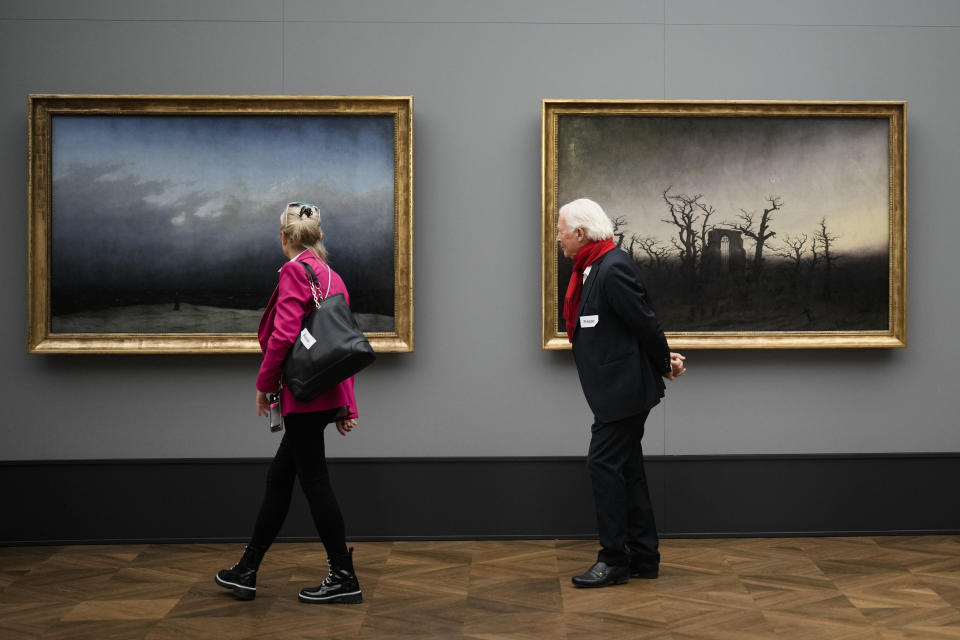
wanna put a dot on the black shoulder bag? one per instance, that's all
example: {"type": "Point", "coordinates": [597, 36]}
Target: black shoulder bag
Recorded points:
{"type": "Point", "coordinates": [330, 348]}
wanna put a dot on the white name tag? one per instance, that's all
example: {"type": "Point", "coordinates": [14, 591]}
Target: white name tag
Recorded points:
{"type": "Point", "coordinates": [588, 321]}
{"type": "Point", "coordinates": [307, 339]}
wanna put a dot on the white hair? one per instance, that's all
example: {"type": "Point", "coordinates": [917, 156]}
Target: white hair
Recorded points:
{"type": "Point", "coordinates": [589, 216]}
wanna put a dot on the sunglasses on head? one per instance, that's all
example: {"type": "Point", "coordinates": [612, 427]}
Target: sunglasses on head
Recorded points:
{"type": "Point", "coordinates": [306, 209]}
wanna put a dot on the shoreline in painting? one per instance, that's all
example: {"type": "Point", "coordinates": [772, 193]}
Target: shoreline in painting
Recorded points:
{"type": "Point", "coordinates": [189, 318]}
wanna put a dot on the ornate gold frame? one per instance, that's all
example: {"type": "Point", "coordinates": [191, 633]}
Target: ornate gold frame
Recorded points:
{"type": "Point", "coordinates": [43, 107]}
{"type": "Point", "coordinates": [894, 112]}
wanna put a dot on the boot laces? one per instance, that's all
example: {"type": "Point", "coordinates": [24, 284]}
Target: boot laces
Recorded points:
{"type": "Point", "coordinates": [330, 577]}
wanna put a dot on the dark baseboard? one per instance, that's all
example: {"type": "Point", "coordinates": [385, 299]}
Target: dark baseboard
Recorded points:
{"type": "Point", "coordinates": [123, 501]}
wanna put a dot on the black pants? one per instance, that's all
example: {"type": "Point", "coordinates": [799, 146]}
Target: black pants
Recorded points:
{"type": "Point", "coordinates": [301, 456]}
{"type": "Point", "coordinates": [624, 513]}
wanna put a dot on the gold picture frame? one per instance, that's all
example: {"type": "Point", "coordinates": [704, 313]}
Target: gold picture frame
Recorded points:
{"type": "Point", "coordinates": [693, 188]}
{"type": "Point", "coordinates": [196, 184]}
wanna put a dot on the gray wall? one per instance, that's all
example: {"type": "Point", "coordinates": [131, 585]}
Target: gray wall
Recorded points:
{"type": "Point", "coordinates": [478, 383]}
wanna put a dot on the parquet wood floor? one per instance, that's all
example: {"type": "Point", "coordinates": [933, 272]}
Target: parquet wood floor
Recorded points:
{"type": "Point", "coordinates": [882, 588]}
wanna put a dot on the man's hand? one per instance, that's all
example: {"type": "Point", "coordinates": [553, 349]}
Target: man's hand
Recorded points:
{"type": "Point", "coordinates": [676, 366]}
{"type": "Point", "coordinates": [346, 425]}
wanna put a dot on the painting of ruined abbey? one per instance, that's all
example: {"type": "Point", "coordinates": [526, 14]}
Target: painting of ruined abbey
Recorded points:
{"type": "Point", "coordinates": [759, 224]}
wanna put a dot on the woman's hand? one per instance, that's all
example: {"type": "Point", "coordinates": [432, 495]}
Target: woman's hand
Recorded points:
{"type": "Point", "coordinates": [262, 408]}
{"type": "Point", "coordinates": [346, 425]}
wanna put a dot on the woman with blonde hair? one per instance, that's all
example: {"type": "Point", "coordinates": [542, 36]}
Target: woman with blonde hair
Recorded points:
{"type": "Point", "coordinates": [301, 451]}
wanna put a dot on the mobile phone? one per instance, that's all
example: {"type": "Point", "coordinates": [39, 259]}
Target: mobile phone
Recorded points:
{"type": "Point", "coordinates": [276, 414]}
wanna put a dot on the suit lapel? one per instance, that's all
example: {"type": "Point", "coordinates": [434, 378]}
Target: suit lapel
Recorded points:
{"type": "Point", "coordinates": [591, 279]}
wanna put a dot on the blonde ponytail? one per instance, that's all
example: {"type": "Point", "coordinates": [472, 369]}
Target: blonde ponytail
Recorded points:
{"type": "Point", "coordinates": [300, 225]}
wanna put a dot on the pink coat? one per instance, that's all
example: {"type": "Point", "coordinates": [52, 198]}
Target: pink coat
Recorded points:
{"type": "Point", "coordinates": [280, 326]}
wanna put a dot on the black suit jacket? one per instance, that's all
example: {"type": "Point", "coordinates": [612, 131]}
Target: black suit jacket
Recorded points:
{"type": "Point", "coordinates": [622, 357]}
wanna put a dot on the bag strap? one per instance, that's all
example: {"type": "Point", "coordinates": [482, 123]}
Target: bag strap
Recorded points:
{"type": "Point", "coordinates": [315, 283]}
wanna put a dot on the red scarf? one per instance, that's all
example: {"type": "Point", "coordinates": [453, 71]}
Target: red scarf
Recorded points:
{"type": "Point", "coordinates": [586, 256]}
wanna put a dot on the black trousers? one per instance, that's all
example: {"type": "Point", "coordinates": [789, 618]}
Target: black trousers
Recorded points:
{"type": "Point", "coordinates": [301, 456]}
{"type": "Point", "coordinates": [624, 513]}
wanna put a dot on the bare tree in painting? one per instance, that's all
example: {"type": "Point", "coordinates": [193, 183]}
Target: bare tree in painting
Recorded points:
{"type": "Point", "coordinates": [826, 241]}
{"type": "Point", "coordinates": [619, 225]}
{"type": "Point", "coordinates": [814, 256]}
{"type": "Point", "coordinates": [707, 210]}
{"type": "Point", "coordinates": [792, 249]}
{"type": "Point", "coordinates": [656, 255]}
{"type": "Point", "coordinates": [691, 218]}
{"type": "Point", "coordinates": [758, 230]}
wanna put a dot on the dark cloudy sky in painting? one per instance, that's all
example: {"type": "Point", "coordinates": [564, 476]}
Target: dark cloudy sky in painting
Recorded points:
{"type": "Point", "coordinates": [836, 168]}
{"type": "Point", "coordinates": [147, 208]}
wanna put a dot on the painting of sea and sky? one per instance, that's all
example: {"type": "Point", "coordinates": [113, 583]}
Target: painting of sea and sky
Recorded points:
{"type": "Point", "coordinates": [166, 224]}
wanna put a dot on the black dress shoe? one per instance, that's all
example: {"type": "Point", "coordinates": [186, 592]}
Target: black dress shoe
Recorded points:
{"type": "Point", "coordinates": [602, 575]}
{"type": "Point", "coordinates": [643, 566]}
{"type": "Point", "coordinates": [242, 581]}
{"type": "Point", "coordinates": [644, 570]}
{"type": "Point", "coordinates": [340, 585]}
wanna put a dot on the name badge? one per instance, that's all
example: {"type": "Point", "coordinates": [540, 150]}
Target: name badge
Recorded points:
{"type": "Point", "coordinates": [588, 321]}
{"type": "Point", "coordinates": [307, 339]}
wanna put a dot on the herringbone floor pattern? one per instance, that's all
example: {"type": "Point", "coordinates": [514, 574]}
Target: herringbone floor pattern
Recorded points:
{"type": "Point", "coordinates": [881, 588]}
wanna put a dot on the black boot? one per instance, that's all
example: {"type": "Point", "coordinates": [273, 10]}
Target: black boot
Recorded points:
{"type": "Point", "coordinates": [340, 585]}
{"type": "Point", "coordinates": [242, 578]}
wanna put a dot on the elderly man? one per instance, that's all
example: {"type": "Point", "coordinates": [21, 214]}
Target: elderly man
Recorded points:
{"type": "Point", "coordinates": [621, 354]}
